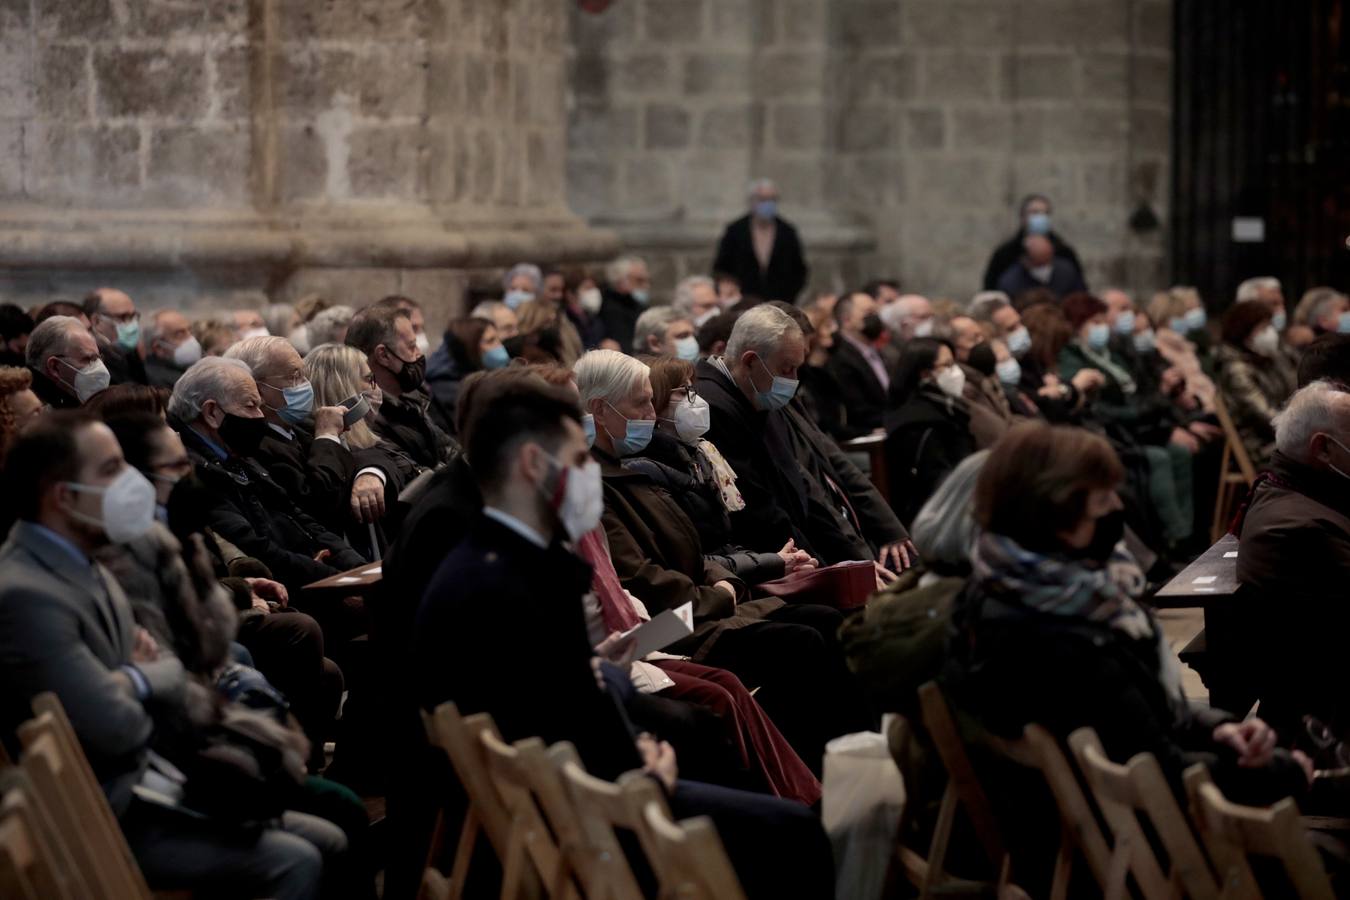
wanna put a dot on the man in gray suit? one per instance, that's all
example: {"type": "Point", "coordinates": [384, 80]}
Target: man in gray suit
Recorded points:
{"type": "Point", "coordinates": [66, 627]}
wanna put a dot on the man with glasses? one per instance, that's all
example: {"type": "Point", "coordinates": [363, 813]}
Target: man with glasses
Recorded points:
{"type": "Point", "coordinates": [64, 358]}
{"type": "Point", "coordinates": [116, 324]}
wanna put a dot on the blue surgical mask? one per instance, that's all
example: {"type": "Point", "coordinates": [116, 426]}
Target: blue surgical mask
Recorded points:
{"type": "Point", "coordinates": [1124, 323]}
{"type": "Point", "coordinates": [1177, 324]}
{"type": "Point", "coordinates": [1098, 335]}
{"type": "Point", "coordinates": [1280, 320]}
{"type": "Point", "coordinates": [1038, 223]}
{"type": "Point", "coordinates": [496, 358]}
{"type": "Point", "coordinates": [299, 403]}
{"type": "Point", "coordinates": [128, 335]}
{"type": "Point", "coordinates": [766, 209]}
{"type": "Point", "coordinates": [1196, 319]}
{"type": "Point", "coordinates": [637, 435]}
{"type": "Point", "coordinates": [1009, 371]}
{"type": "Point", "coordinates": [686, 348]}
{"type": "Point", "coordinates": [588, 426]}
{"type": "Point", "coordinates": [1019, 341]}
{"type": "Point", "coordinates": [1343, 323]}
{"type": "Point", "coordinates": [641, 295]}
{"type": "Point", "coordinates": [515, 299]}
{"type": "Point", "coordinates": [1145, 342]}
{"type": "Point", "coordinates": [779, 394]}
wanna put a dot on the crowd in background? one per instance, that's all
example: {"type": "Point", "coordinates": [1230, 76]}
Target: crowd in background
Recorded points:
{"type": "Point", "coordinates": [576, 455]}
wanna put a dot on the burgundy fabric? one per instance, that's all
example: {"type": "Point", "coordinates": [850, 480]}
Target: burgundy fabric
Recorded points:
{"type": "Point", "coordinates": [615, 608]}
{"type": "Point", "coordinates": [844, 586]}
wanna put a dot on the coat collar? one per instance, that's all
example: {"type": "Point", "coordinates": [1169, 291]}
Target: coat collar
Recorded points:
{"type": "Point", "coordinates": [1318, 485]}
{"type": "Point", "coordinates": [51, 556]}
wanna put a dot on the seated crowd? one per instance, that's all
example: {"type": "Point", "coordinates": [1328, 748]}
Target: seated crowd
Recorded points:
{"type": "Point", "coordinates": [573, 459]}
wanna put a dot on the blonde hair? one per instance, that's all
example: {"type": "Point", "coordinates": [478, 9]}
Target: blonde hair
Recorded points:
{"type": "Point", "coordinates": [335, 372]}
{"type": "Point", "coordinates": [1171, 304]}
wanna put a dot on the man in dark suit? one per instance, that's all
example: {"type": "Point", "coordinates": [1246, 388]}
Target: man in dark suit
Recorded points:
{"type": "Point", "coordinates": [170, 348]}
{"type": "Point", "coordinates": [116, 324]}
{"type": "Point", "coordinates": [763, 251]}
{"type": "Point", "coordinates": [513, 583]}
{"type": "Point", "coordinates": [64, 359]}
{"type": "Point", "coordinates": [858, 367]}
{"type": "Point", "coordinates": [1035, 219]}
{"type": "Point", "coordinates": [66, 627]}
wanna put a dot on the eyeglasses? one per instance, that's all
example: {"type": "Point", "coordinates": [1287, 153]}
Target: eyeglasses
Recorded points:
{"type": "Point", "coordinates": [687, 391]}
{"type": "Point", "coordinates": [125, 318]}
{"type": "Point", "coordinates": [368, 379]}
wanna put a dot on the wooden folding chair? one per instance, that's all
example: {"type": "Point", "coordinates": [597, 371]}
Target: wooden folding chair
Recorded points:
{"type": "Point", "coordinates": [689, 858]}
{"type": "Point", "coordinates": [1233, 833]}
{"type": "Point", "coordinates": [66, 789]}
{"type": "Point", "coordinates": [1127, 794]}
{"type": "Point", "coordinates": [530, 842]}
{"type": "Point", "coordinates": [459, 737]}
{"type": "Point", "coordinates": [1236, 471]}
{"type": "Point", "coordinates": [31, 868]}
{"type": "Point", "coordinates": [603, 806]}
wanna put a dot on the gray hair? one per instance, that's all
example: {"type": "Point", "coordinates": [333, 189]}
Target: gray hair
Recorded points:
{"type": "Point", "coordinates": [327, 324]}
{"type": "Point", "coordinates": [654, 321]}
{"type": "Point", "coordinates": [984, 304]}
{"type": "Point", "coordinates": [684, 291]}
{"type": "Point", "coordinates": [618, 269]}
{"type": "Point", "coordinates": [1251, 288]}
{"type": "Point", "coordinates": [257, 353]}
{"type": "Point", "coordinates": [754, 186]}
{"type": "Point", "coordinates": [944, 530]}
{"type": "Point", "coordinates": [487, 310]}
{"type": "Point", "coordinates": [1316, 408]}
{"type": "Point", "coordinates": [155, 331]}
{"type": "Point", "coordinates": [277, 318]}
{"type": "Point", "coordinates": [609, 375]}
{"type": "Point", "coordinates": [1314, 302]}
{"type": "Point", "coordinates": [530, 269]}
{"type": "Point", "coordinates": [51, 337]}
{"type": "Point", "coordinates": [760, 329]}
{"type": "Point", "coordinates": [206, 379]}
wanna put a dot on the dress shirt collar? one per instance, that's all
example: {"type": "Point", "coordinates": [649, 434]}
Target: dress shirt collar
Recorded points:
{"type": "Point", "coordinates": [519, 527]}
{"type": "Point", "coordinates": [61, 541]}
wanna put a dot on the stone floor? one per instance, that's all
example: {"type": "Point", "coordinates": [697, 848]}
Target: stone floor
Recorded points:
{"type": "Point", "coordinates": [1179, 626]}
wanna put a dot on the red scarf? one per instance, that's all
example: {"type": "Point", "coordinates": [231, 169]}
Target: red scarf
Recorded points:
{"type": "Point", "coordinates": [615, 607]}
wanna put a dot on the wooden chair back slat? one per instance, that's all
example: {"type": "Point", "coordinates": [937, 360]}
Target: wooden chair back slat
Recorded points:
{"type": "Point", "coordinates": [1236, 471]}
{"type": "Point", "coordinates": [1134, 791]}
{"type": "Point", "coordinates": [604, 806]}
{"type": "Point", "coordinates": [693, 863]}
{"type": "Point", "coordinates": [1233, 833]}
{"type": "Point", "coordinates": [530, 835]}
{"type": "Point", "coordinates": [30, 865]}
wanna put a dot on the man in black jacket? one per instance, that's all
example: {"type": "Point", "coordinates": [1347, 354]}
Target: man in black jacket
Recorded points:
{"type": "Point", "coordinates": [170, 348]}
{"type": "Point", "coordinates": [1035, 219]}
{"type": "Point", "coordinates": [64, 359]}
{"type": "Point", "coordinates": [796, 482]}
{"type": "Point", "coordinates": [387, 339]}
{"type": "Point", "coordinates": [857, 366]}
{"type": "Point", "coordinates": [116, 324]}
{"type": "Point", "coordinates": [513, 583]}
{"type": "Point", "coordinates": [623, 299]}
{"type": "Point", "coordinates": [763, 251]}
{"type": "Point", "coordinates": [1039, 268]}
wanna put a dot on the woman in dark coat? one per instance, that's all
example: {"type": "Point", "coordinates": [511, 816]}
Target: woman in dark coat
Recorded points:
{"type": "Point", "coordinates": [470, 345]}
{"type": "Point", "coordinates": [927, 423]}
{"type": "Point", "coordinates": [1255, 378]}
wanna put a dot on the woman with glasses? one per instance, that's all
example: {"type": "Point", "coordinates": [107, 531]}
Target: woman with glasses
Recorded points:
{"type": "Point", "coordinates": [341, 376]}
{"type": "Point", "coordinates": [700, 480]}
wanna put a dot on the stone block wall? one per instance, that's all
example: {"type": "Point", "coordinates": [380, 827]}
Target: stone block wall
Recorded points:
{"type": "Point", "coordinates": [901, 132]}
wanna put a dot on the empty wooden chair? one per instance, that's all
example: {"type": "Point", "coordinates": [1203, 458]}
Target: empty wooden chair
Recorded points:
{"type": "Point", "coordinates": [1232, 833]}
{"type": "Point", "coordinates": [603, 806]}
{"type": "Point", "coordinates": [689, 858]}
{"type": "Point", "coordinates": [1137, 792]}
{"type": "Point", "coordinates": [66, 789]}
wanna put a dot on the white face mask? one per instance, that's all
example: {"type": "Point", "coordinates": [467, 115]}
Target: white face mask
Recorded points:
{"type": "Point", "coordinates": [423, 343]}
{"type": "Point", "coordinates": [1009, 371]}
{"type": "Point", "coordinates": [89, 380]}
{"type": "Point", "coordinates": [692, 419]}
{"type": "Point", "coordinates": [590, 300]}
{"type": "Point", "coordinates": [188, 352]}
{"type": "Point", "coordinates": [1266, 341]}
{"type": "Point", "coordinates": [924, 328]}
{"type": "Point", "coordinates": [128, 509]}
{"type": "Point", "coordinates": [952, 381]}
{"type": "Point", "coordinates": [583, 498]}
{"type": "Point", "coordinates": [706, 317]}
{"type": "Point", "coordinates": [246, 333]}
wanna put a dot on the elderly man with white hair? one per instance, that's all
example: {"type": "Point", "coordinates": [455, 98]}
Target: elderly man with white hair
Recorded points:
{"type": "Point", "coordinates": [169, 347]}
{"type": "Point", "coordinates": [624, 297]}
{"type": "Point", "coordinates": [1294, 563]}
{"type": "Point", "coordinates": [665, 331]}
{"type": "Point", "coordinates": [797, 484]}
{"type": "Point", "coordinates": [217, 410]}
{"type": "Point", "coordinates": [1268, 290]}
{"type": "Point", "coordinates": [762, 251]}
{"type": "Point", "coordinates": [909, 317]}
{"type": "Point", "coordinates": [658, 554]}
{"type": "Point", "coordinates": [65, 361]}
{"type": "Point", "coordinates": [696, 297]}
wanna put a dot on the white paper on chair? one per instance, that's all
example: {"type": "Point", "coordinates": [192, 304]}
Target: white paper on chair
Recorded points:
{"type": "Point", "coordinates": [663, 630]}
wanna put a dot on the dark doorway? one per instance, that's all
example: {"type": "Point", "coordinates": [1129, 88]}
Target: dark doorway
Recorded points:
{"type": "Point", "coordinates": [1261, 131]}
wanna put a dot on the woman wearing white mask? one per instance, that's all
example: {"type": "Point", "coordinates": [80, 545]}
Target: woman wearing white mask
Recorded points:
{"type": "Point", "coordinates": [1255, 378]}
{"type": "Point", "coordinates": [927, 423]}
{"type": "Point", "coordinates": [679, 459]}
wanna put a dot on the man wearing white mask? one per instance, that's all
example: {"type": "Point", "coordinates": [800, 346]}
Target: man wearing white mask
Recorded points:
{"type": "Point", "coordinates": [65, 361]}
{"type": "Point", "coordinates": [696, 297]}
{"type": "Point", "coordinates": [909, 317]}
{"type": "Point", "coordinates": [796, 482]}
{"type": "Point", "coordinates": [171, 346]}
{"type": "Point", "coordinates": [66, 627]}
{"type": "Point", "coordinates": [665, 331]}
{"type": "Point", "coordinates": [249, 323]}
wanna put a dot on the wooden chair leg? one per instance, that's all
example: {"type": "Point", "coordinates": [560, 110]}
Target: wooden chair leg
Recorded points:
{"type": "Point", "coordinates": [459, 869]}
{"type": "Point", "coordinates": [514, 862]}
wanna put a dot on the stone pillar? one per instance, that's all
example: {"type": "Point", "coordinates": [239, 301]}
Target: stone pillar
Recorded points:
{"type": "Point", "coordinates": [230, 152]}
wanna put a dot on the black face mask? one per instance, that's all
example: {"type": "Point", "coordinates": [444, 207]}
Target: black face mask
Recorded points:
{"type": "Point", "coordinates": [243, 435]}
{"type": "Point", "coordinates": [982, 359]}
{"type": "Point", "coordinates": [872, 328]}
{"type": "Point", "coordinates": [1106, 533]}
{"type": "Point", "coordinates": [411, 376]}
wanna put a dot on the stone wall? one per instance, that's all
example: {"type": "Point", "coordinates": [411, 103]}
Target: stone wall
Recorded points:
{"type": "Point", "coordinates": [901, 132]}
{"type": "Point", "coordinates": [233, 151]}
